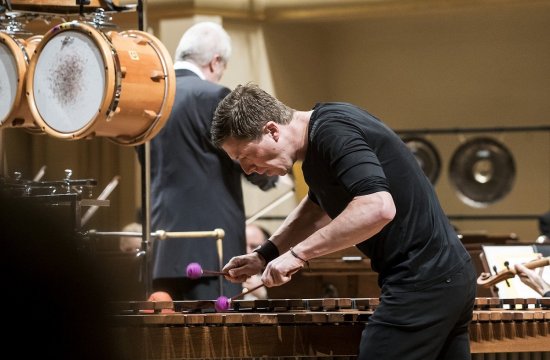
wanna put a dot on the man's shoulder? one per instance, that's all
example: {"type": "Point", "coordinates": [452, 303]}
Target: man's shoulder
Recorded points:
{"type": "Point", "coordinates": [216, 88]}
{"type": "Point", "coordinates": [194, 83]}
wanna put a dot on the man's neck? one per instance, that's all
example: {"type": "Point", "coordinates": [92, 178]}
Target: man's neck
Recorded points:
{"type": "Point", "coordinates": [299, 125]}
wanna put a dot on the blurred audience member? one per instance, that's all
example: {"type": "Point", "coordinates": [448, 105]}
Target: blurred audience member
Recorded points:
{"type": "Point", "coordinates": [255, 236]}
{"type": "Point", "coordinates": [131, 244]}
{"type": "Point", "coordinates": [161, 296]}
{"type": "Point", "coordinates": [544, 228]}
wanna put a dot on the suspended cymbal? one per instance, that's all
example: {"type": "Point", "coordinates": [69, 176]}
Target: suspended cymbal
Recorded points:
{"type": "Point", "coordinates": [482, 170]}
{"type": "Point", "coordinates": [426, 155]}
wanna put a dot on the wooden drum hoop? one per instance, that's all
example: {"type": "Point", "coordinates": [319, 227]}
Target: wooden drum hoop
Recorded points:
{"type": "Point", "coordinates": [21, 50]}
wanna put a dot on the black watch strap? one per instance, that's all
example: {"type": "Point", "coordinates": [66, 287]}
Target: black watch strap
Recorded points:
{"type": "Point", "coordinates": [268, 251]}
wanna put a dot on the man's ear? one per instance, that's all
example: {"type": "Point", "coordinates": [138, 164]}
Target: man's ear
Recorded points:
{"type": "Point", "coordinates": [212, 65]}
{"type": "Point", "coordinates": [272, 128]}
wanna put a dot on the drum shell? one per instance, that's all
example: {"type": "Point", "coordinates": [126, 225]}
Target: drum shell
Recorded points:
{"type": "Point", "coordinates": [134, 106]}
{"type": "Point", "coordinates": [147, 89]}
{"type": "Point", "coordinates": [22, 51]}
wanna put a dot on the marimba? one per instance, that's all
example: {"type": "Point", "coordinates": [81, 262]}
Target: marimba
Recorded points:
{"type": "Point", "coordinates": [500, 328]}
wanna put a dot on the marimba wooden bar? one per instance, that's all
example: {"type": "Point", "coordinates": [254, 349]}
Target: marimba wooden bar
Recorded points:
{"type": "Point", "coordinates": [501, 329]}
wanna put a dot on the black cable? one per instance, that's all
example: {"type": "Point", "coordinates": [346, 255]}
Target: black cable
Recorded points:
{"type": "Point", "coordinates": [109, 5]}
{"type": "Point", "coordinates": [140, 15]}
{"type": "Point", "coordinates": [81, 4]}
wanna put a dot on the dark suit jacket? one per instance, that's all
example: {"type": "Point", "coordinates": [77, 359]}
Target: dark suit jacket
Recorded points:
{"type": "Point", "coordinates": [194, 186]}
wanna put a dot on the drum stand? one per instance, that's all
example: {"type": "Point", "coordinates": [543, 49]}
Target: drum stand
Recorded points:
{"type": "Point", "coordinates": [3, 165]}
{"type": "Point", "coordinates": [145, 216]}
{"type": "Point", "coordinates": [145, 190]}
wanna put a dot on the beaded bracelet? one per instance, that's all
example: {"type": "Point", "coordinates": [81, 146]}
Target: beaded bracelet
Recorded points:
{"type": "Point", "coordinates": [299, 258]}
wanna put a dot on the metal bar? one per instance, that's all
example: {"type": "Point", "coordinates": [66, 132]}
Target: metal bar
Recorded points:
{"type": "Point", "coordinates": [40, 174]}
{"type": "Point", "coordinates": [456, 130]}
{"type": "Point", "coordinates": [163, 235]}
{"type": "Point", "coordinates": [146, 244]}
{"type": "Point", "coordinates": [104, 194]}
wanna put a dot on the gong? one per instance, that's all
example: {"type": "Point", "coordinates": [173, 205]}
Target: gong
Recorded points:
{"type": "Point", "coordinates": [482, 170]}
{"type": "Point", "coordinates": [426, 155]}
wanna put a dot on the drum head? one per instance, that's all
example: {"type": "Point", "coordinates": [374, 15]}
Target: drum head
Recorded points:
{"type": "Point", "coordinates": [482, 171]}
{"type": "Point", "coordinates": [9, 85]}
{"type": "Point", "coordinates": [68, 82]}
{"type": "Point", "coordinates": [426, 155]}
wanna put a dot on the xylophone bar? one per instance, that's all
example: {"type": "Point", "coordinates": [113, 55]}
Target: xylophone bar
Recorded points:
{"type": "Point", "coordinates": [310, 327]}
{"type": "Point", "coordinates": [513, 356]}
{"type": "Point", "coordinates": [511, 326]}
{"type": "Point", "coordinates": [270, 305]}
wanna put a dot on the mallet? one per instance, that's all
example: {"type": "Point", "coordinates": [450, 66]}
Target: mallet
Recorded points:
{"type": "Point", "coordinates": [223, 302]}
{"type": "Point", "coordinates": [195, 271]}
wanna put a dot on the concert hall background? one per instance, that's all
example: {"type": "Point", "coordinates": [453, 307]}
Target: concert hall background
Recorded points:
{"type": "Point", "coordinates": [446, 72]}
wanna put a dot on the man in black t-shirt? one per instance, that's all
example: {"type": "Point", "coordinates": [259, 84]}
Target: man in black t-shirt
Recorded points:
{"type": "Point", "coordinates": [367, 190]}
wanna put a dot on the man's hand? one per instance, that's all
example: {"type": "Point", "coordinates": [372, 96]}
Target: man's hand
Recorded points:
{"type": "Point", "coordinates": [280, 270]}
{"type": "Point", "coordinates": [532, 279]}
{"type": "Point", "coordinates": [240, 268]}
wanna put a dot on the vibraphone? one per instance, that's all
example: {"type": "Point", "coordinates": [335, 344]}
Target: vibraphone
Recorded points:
{"type": "Point", "coordinates": [301, 328]}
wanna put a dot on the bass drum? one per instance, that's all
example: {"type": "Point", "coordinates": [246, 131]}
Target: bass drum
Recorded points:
{"type": "Point", "coordinates": [84, 83]}
{"type": "Point", "coordinates": [15, 55]}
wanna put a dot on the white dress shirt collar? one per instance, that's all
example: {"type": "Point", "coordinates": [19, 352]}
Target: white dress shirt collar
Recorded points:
{"type": "Point", "coordinates": [181, 64]}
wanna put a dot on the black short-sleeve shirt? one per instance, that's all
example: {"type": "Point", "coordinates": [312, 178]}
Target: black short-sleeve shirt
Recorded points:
{"type": "Point", "coordinates": [352, 153]}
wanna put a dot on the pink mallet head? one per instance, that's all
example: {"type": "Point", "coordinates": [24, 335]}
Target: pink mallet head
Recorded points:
{"type": "Point", "coordinates": [222, 304]}
{"type": "Point", "coordinates": [194, 270]}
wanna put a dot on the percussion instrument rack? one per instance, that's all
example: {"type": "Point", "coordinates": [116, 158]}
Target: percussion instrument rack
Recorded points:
{"type": "Point", "coordinates": [13, 15]}
{"type": "Point", "coordinates": [65, 7]}
{"type": "Point", "coordinates": [329, 327]}
{"type": "Point", "coordinates": [64, 197]}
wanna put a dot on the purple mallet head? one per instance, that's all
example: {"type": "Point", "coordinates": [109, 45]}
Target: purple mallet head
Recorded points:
{"type": "Point", "coordinates": [222, 304]}
{"type": "Point", "coordinates": [194, 271]}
